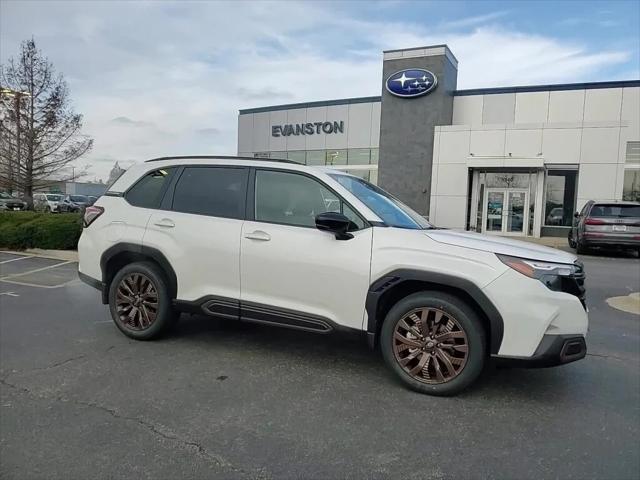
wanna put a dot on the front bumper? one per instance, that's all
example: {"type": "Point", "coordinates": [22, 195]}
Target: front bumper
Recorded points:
{"type": "Point", "coordinates": [553, 350]}
{"type": "Point", "coordinates": [531, 311]}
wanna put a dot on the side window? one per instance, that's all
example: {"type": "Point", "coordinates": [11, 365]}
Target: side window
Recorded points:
{"type": "Point", "coordinates": [146, 192]}
{"type": "Point", "coordinates": [292, 199]}
{"type": "Point", "coordinates": [213, 191]}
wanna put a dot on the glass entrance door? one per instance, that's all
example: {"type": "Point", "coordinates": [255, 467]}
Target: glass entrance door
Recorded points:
{"type": "Point", "coordinates": [506, 211]}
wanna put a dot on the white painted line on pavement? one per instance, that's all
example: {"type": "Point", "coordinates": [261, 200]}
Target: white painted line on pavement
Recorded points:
{"type": "Point", "coordinates": [14, 282]}
{"type": "Point", "coordinates": [16, 259]}
{"type": "Point", "coordinates": [10, 294]}
{"type": "Point", "coordinates": [35, 271]}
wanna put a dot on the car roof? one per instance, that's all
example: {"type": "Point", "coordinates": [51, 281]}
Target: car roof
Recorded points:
{"type": "Point", "coordinates": [615, 202]}
{"type": "Point", "coordinates": [222, 157]}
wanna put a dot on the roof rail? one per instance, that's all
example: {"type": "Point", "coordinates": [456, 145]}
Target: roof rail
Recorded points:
{"type": "Point", "coordinates": [222, 157]}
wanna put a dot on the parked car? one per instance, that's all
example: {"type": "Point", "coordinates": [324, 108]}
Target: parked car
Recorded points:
{"type": "Point", "coordinates": [47, 202]}
{"type": "Point", "coordinates": [74, 203]}
{"type": "Point", "coordinates": [92, 199]}
{"type": "Point", "coordinates": [606, 225]}
{"type": "Point", "coordinates": [320, 250]}
{"type": "Point", "coordinates": [9, 202]}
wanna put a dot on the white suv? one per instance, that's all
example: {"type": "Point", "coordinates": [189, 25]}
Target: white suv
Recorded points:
{"type": "Point", "coordinates": [319, 250]}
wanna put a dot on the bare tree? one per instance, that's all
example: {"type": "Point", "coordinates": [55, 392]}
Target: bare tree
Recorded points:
{"type": "Point", "coordinates": [39, 131]}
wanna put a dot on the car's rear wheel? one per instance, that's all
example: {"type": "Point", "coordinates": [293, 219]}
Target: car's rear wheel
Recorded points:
{"type": "Point", "coordinates": [434, 343]}
{"type": "Point", "coordinates": [139, 301]}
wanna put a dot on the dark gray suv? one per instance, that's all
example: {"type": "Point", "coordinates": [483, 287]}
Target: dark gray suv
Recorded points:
{"type": "Point", "coordinates": [606, 224]}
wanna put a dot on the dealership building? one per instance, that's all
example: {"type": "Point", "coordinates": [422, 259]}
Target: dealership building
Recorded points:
{"type": "Point", "coordinates": [510, 161]}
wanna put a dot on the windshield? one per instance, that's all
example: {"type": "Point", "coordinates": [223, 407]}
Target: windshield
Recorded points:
{"type": "Point", "coordinates": [391, 210]}
{"type": "Point", "coordinates": [615, 211]}
{"type": "Point", "coordinates": [54, 198]}
{"type": "Point", "coordinates": [5, 195]}
{"type": "Point", "coordinates": [78, 198]}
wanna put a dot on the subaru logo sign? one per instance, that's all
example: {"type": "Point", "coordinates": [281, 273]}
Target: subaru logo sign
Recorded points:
{"type": "Point", "coordinates": [412, 82]}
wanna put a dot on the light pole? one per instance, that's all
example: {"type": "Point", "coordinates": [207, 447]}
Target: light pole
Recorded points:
{"type": "Point", "coordinates": [17, 95]}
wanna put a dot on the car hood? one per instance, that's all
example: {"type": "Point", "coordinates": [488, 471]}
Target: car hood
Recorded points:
{"type": "Point", "coordinates": [502, 245]}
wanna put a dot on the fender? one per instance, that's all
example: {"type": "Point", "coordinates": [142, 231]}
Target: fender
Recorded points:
{"type": "Point", "coordinates": [137, 251]}
{"type": "Point", "coordinates": [396, 278]}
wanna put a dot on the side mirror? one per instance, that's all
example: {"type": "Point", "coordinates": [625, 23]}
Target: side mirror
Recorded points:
{"type": "Point", "coordinates": [577, 214]}
{"type": "Point", "coordinates": [335, 223]}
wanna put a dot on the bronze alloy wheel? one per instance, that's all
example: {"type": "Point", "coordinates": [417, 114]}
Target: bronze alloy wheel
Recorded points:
{"type": "Point", "coordinates": [136, 302]}
{"type": "Point", "coordinates": [430, 345]}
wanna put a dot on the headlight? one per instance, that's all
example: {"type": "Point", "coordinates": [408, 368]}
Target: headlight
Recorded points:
{"type": "Point", "coordinates": [536, 268]}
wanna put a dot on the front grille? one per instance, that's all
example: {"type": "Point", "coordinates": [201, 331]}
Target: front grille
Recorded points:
{"type": "Point", "coordinates": [574, 284]}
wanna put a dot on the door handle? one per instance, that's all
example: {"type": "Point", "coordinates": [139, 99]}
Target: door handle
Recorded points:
{"type": "Point", "coordinates": [165, 222]}
{"type": "Point", "coordinates": [258, 235]}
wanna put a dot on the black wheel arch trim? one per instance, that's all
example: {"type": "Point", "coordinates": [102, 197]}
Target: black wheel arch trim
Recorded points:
{"type": "Point", "coordinates": [396, 278]}
{"type": "Point", "coordinates": [138, 250]}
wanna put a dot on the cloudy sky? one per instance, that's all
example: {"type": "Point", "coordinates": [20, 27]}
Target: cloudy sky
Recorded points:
{"type": "Point", "coordinates": [160, 78]}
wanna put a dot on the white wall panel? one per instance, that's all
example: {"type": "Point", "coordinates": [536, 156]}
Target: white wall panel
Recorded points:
{"type": "Point", "coordinates": [453, 147]}
{"type": "Point", "coordinates": [597, 181]}
{"type": "Point", "coordinates": [296, 142]}
{"type": "Point", "coordinates": [523, 143]}
{"type": "Point", "coordinates": [261, 132]}
{"type": "Point", "coordinates": [375, 125]}
{"type": "Point", "coordinates": [358, 125]}
{"type": "Point", "coordinates": [487, 143]}
{"type": "Point", "coordinates": [450, 211]}
{"type": "Point", "coordinates": [561, 145]}
{"type": "Point", "coordinates": [566, 106]}
{"type": "Point", "coordinates": [631, 109]}
{"type": "Point", "coordinates": [315, 141]}
{"type": "Point", "coordinates": [601, 105]}
{"type": "Point", "coordinates": [245, 133]}
{"type": "Point", "coordinates": [337, 113]}
{"type": "Point", "coordinates": [499, 108]}
{"type": "Point", "coordinates": [452, 179]}
{"type": "Point", "coordinates": [277, 144]}
{"type": "Point", "coordinates": [532, 107]}
{"type": "Point", "coordinates": [467, 110]}
{"type": "Point", "coordinates": [599, 145]}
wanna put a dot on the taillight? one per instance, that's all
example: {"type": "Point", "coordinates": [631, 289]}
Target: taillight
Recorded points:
{"type": "Point", "coordinates": [90, 215]}
{"type": "Point", "coordinates": [594, 221]}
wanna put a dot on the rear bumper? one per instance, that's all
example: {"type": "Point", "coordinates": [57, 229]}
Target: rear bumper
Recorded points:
{"type": "Point", "coordinates": [553, 350]}
{"type": "Point", "coordinates": [611, 240]}
{"type": "Point", "coordinates": [97, 284]}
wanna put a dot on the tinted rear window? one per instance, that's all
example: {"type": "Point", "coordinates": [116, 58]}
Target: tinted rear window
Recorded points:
{"type": "Point", "coordinates": [615, 211]}
{"type": "Point", "coordinates": [54, 198]}
{"type": "Point", "coordinates": [146, 193]}
{"type": "Point", "coordinates": [214, 191]}
{"type": "Point", "coordinates": [78, 198]}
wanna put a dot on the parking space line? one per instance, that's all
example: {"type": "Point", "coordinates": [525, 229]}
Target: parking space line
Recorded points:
{"type": "Point", "coordinates": [35, 271]}
{"type": "Point", "coordinates": [16, 259]}
{"type": "Point", "coordinates": [25, 284]}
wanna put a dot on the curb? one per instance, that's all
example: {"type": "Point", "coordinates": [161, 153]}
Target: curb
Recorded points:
{"type": "Point", "coordinates": [66, 255]}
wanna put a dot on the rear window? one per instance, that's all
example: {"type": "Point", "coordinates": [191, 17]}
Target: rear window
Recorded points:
{"type": "Point", "coordinates": [78, 198]}
{"type": "Point", "coordinates": [146, 193]}
{"type": "Point", "coordinates": [54, 198]}
{"type": "Point", "coordinates": [213, 191]}
{"type": "Point", "coordinates": [615, 211]}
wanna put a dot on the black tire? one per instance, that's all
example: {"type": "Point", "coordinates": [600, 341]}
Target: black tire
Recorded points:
{"type": "Point", "coordinates": [164, 314]}
{"type": "Point", "coordinates": [467, 321]}
{"type": "Point", "coordinates": [581, 249]}
{"type": "Point", "coordinates": [572, 242]}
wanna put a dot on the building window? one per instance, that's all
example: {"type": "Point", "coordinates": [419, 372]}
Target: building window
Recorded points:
{"type": "Point", "coordinates": [359, 156]}
{"type": "Point", "coordinates": [374, 156]}
{"type": "Point", "coordinates": [315, 157]}
{"type": "Point", "coordinates": [336, 157]}
{"type": "Point", "coordinates": [560, 197]}
{"type": "Point", "coordinates": [297, 156]}
{"type": "Point", "coordinates": [631, 185]}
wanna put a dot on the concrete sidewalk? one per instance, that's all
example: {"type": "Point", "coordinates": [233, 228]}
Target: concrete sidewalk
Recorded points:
{"type": "Point", "coordinates": [555, 242]}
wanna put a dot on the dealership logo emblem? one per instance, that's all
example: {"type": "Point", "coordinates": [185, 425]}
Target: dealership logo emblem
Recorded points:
{"type": "Point", "coordinates": [412, 82]}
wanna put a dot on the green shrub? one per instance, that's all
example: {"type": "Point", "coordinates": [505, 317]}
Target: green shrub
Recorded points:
{"type": "Point", "coordinates": [21, 230]}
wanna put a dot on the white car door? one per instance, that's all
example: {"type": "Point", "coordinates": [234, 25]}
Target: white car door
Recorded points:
{"type": "Point", "coordinates": [198, 230]}
{"type": "Point", "coordinates": [293, 273]}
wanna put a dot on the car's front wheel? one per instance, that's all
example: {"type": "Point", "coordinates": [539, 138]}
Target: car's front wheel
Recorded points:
{"type": "Point", "coordinates": [139, 301]}
{"type": "Point", "coordinates": [434, 343]}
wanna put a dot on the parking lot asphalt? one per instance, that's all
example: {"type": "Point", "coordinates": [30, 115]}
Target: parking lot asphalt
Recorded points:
{"type": "Point", "coordinates": [219, 399]}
